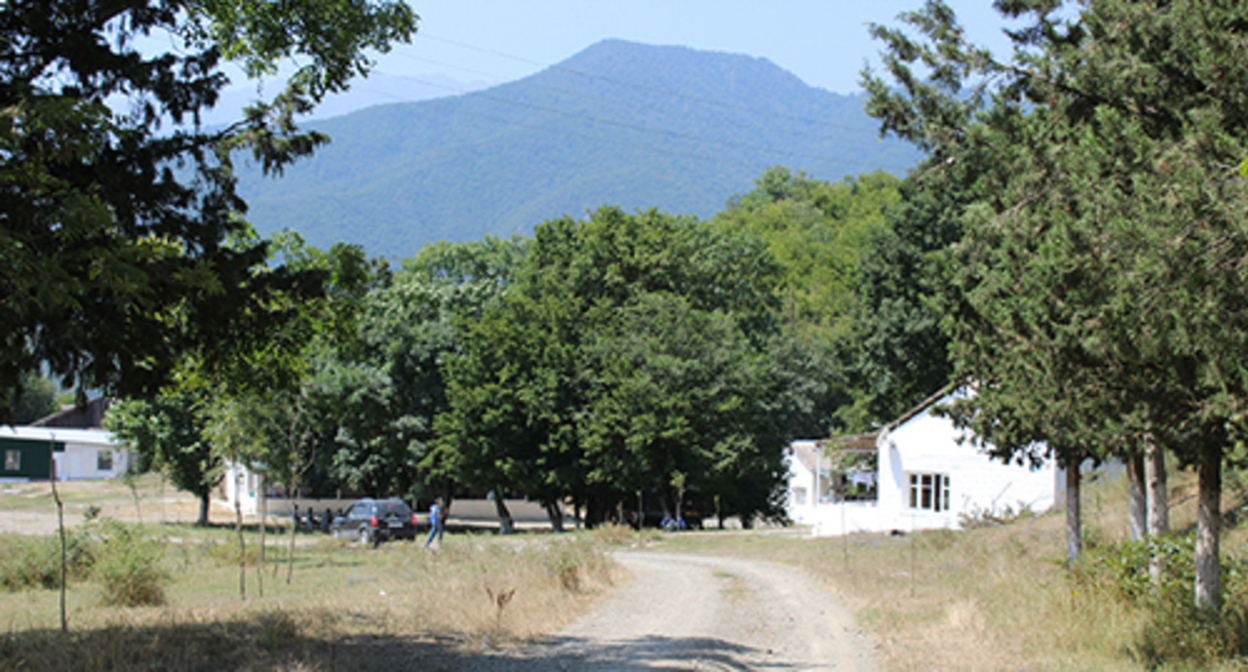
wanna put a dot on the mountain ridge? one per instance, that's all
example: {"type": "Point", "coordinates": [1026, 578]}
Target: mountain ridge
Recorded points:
{"type": "Point", "coordinates": [619, 123]}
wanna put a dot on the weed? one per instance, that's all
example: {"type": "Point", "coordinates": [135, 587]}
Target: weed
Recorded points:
{"type": "Point", "coordinates": [129, 566]}
{"type": "Point", "coordinates": [35, 562]}
{"type": "Point", "coordinates": [500, 599]}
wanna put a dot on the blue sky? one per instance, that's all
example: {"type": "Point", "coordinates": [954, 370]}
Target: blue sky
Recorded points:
{"type": "Point", "coordinates": [465, 45]}
{"type": "Point", "coordinates": [824, 42]}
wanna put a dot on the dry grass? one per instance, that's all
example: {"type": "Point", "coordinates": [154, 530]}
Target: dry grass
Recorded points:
{"type": "Point", "coordinates": [399, 606]}
{"type": "Point", "coordinates": [985, 599]}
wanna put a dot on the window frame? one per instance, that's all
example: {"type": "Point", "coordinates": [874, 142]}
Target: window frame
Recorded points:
{"type": "Point", "coordinates": [928, 491]}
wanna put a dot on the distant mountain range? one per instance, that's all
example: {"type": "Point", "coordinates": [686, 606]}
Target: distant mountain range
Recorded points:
{"type": "Point", "coordinates": [619, 123]}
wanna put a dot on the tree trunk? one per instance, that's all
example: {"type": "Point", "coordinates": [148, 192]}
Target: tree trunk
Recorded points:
{"type": "Point", "coordinates": [290, 554]}
{"type": "Point", "coordinates": [1074, 532]}
{"type": "Point", "coordinates": [555, 515]}
{"type": "Point", "coordinates": [505, 523]}
{"type": "Point", "coordinates": [448, 496]}
{"type": "Point", "coordinates": [203, 509]}
{"type": "Point", "coordinates": [1158, 494]}
{"type": "Point", "coordinates": [263, 523]}
{"type": "Point", "coordinates": [1137, 501]}
{"type": "Point", "coordinates": [1158, 503]}
{"type": "Point", "coordinates": [242, 546]}
{"type": "Point", "coordinates": [1208, 527]}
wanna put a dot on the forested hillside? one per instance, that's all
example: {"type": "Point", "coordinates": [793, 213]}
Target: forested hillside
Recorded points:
{"type": "Point", "coordinates": [620, 123]}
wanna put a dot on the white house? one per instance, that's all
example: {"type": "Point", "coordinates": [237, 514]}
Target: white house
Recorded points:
{"type": "Point", "coordinates": [88, 454]}
{"type": "Point", "coordinates": [809, 480]}
{"type": "Point", "coordinates": [242, 485]}
{"type": "Point", "coordinates": [930, 474]}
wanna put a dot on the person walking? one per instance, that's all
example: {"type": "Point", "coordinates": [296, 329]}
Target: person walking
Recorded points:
{"type": "Point", "coordinates": [435, 522]}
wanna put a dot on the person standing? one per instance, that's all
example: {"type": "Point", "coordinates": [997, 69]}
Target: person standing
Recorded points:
{"type": "Point", "coordinates": [435, 522]}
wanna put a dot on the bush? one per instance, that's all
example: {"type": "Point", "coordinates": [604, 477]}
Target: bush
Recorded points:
{"type": "Point", "coordinates": [1175, 630]}
{"type": "Point", "coordinates": [129, 566]}
{"type": "Point", "coordinates": [577, 563]}
{"type": "Point", "coordinates": [35, 562]}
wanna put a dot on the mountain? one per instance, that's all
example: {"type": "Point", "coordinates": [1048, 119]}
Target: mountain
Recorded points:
{"type": "Point", "coordinates": [619, 123]}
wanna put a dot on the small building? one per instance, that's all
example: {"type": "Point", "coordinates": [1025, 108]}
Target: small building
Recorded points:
{"type": "Point", "coordinates": [931, 475]}
{"type": "Point", "coordinates": [75, 454]}
{"type": "Point", "coordinates": [241, 485]}
{"type": "Point", "coordinates": [809, 478]}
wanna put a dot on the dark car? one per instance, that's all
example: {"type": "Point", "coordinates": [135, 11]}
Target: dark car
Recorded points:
{"type": "Point", "coordinates": [372, 521]}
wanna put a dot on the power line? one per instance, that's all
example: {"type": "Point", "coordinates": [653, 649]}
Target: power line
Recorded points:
{"type": "Point", "coordinates": [643, 129]}
{"type": "Point", "coordinates": [642, 87]}
{"type": "Point", "coordinates": [615, 101]}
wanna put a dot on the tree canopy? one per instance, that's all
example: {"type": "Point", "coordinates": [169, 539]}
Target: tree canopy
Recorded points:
{"type": "Point", "coordinates": [1100, 295]}
{"type": "Point", "coordinates": [117, 223]}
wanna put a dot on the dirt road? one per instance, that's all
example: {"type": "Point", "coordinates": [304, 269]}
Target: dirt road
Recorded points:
{"type": "Point", "coordinates": [697, 613]}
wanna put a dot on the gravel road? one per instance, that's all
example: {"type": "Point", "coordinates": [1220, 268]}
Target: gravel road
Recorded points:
{"type": "Point", "coordinates": [700, 613]}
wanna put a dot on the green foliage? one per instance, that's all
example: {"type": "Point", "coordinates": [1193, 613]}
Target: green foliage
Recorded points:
{"type": "Point", "coordinates": [35, 561]}
{"type": "Point", "coordinates": [129, 565]}
{"type": "Point", "coordinates": [630, 347]}
{"type": "Point", "coordinates": [167, 434]}
{"type": "Point", "coordinates": [896, 353]}
{"type": "Point", "coordinates": [1098, 298]}
{"type": "Point", "coordinates": [815, 231]}
{"type": "Point", "coordinates": [38, 399]}
{"type": "Point", "coordinates": [1176, 632]}
{"type": "Point", "coordinates": [117, 265]}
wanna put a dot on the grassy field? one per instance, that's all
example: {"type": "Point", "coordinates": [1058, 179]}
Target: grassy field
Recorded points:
{"type": "Point", "coordinates": [992, 598]}
{"type": "Point", "coordinates": [399, 606]}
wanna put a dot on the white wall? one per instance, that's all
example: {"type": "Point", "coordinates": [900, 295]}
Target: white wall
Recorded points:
{"type": "Point", "coordinates": [242, 484]}
{"type": "Point", "coordinates": [927, 444]}
{"type": "Point", "coordinates": [81, 463]}
{"type": "Point", "coordinates": [930, 444]}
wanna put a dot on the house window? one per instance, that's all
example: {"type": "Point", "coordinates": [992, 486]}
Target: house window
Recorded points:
{"type": "Point", "coordinates": [12, 460]}
{"type": "Point", "coordinates": [799, 496]}
{"type": "Point", "coordinates": [104, 460]}
{"type": "Point", "coordinates": [929, 492]}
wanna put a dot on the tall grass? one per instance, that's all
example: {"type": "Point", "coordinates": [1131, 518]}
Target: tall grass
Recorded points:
{"type": "Point", "coordinates": [398, 606]}
{"type": "Point", "coordinates": [1002, 596]}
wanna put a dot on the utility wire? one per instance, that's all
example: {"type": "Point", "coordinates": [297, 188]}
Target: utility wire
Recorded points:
{"type": "Point", "coordinates": [642, 87]}
{"type": "Point", "coordinates": [616, 101]}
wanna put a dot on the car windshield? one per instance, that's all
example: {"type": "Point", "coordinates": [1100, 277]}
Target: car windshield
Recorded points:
{"type": "Point", "coordinates": [393, 507]}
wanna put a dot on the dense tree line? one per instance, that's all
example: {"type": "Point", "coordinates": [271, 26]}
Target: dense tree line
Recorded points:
{"type": "Point", "coordinates": [1096, 300]}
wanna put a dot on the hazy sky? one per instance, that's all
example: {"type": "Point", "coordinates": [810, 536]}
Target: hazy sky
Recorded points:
{"type": "Point", "coordinates": [823, 42]}
{"type": "Point", "coordinates": [463, 45]}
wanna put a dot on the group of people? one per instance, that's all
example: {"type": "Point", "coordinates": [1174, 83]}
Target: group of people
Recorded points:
{"type": "Point", "coordinates": [310, 522]}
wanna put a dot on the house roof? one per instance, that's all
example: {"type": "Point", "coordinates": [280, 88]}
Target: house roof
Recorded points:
{"type": "Point", "coordinates": [807, 452]}
{"type": "Point", "coordinates": [866, 442]}
{"type": "Point", "coordinates": [90, 416]}
{"type": "Point", "coordinates": [77, 437]}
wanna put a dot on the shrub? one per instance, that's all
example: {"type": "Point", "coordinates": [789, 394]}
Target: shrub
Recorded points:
{"type": "Point", "coordinates": [129, 566]}
{"type": "Point", "coordinates": [980, 517]}
{"type": "Point", "coordinates": [1175, 630]}
{"type": "Point", "coordinates": [35, 562]}
{"type": "Point", "coordinates": [577, 563]}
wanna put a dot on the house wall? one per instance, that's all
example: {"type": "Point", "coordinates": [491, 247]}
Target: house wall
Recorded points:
{"type": "Point", "coordinates": [243, 485]}
{"type": "Point", "coordinates": [33, 459]}
{"type": "Point", "coordinates": [927, 444]}
{"type": "Point", "coordinates": [801, 503]}
{"type": "Point", "coordinates": [80, 462]}
{"type": "Point", "coordinates": [806, 494]}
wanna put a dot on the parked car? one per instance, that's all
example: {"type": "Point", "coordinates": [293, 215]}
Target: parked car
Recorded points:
{"type": "Point", "coordinates": [372, 521]}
